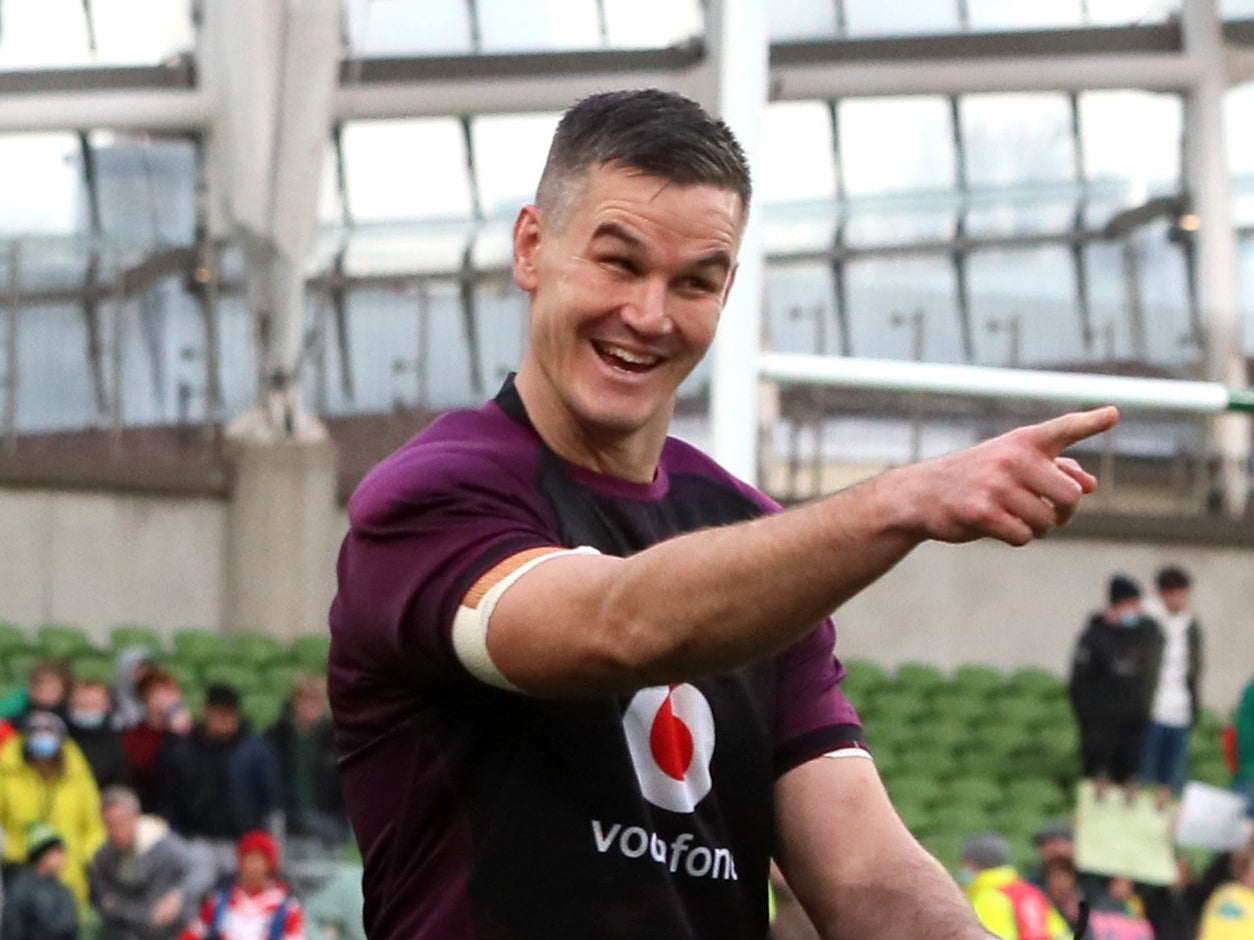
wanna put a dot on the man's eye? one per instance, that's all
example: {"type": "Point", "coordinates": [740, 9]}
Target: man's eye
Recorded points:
{"type": "Point", "coordinates": [626, 265]}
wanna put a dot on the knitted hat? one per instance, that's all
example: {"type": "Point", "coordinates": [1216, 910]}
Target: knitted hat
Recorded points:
{"type": "Point", "coordinates": [261, 842]}
{"type": "Point", "coordinates": [40, 837]}
{"type": "Point", "coordinates": [1123, 588]}
{"type": "Point", "coordinates": [1054, 829]}
{"type": "Point", "coordinates": [986, 850]}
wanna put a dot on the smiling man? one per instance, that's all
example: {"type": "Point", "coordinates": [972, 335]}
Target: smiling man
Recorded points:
{"type": "Point", "coordinates": [582, 678]}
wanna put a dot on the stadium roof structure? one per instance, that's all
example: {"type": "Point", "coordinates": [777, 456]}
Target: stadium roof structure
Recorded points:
{"type": "Point", "coordinates": [288, 210]}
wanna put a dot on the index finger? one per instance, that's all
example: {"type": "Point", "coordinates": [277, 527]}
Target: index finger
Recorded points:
{"type": "Point", "coordinates": [1057, 434]}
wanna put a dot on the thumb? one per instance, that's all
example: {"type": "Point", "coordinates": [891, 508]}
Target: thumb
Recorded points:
{"type": "Point", "coordinates": [1057, 434]}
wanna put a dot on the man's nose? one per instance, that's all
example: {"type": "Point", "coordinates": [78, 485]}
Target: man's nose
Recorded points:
{"type": "Point", "coordinates": [646, 311]}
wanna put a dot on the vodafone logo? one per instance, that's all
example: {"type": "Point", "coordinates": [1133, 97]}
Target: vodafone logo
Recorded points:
{"type": "Point", "coordinates": [670, 734]}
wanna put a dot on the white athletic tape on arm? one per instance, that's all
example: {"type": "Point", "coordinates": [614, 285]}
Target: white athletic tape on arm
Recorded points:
{"type": "Point", "coordinates": [470, 624]}
{"type": "Point", "coordinates": [850, 752]}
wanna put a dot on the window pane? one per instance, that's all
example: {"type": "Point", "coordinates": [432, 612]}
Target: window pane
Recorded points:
{"type": "Point", "coordinates": [1132, 137]}
{"type": "Point", "coordinates": [895, 144]}
{"type": "Point", "coordinates": [801, 19]}
{"type": "Point", "coordinates": [146, 189]}
{"type": "Point", "coordinates": [800, 309]}
{"type": "Point", "coordinates": [520, 25]}
{"type": "Point", "coordinates": [54, 33]}
{"type": "Point", "coordinates": [406, 169]}
{"type": "Point", "coordinates": [407, 27]}
{"type": "Point", "coordinates": [651, 23]}
{"type": "Point", "coordinates": [796, 161]}
{"type": "Point", "coordinates": [892, 299]}
{"type": "Point", "coordinates": [509, 156]}
{"type": "Point", "coordinates": [1114, 12]}
{"type": "Point", "coordinates": [48, 199]}
{"type": "Point", "coordinates": [1023, 308]}
{"type": "Point", "coordinates": [1023, 14]}
{"type": "Point", "coordinates": [1017, 138]}
{"type": "Point", "coordinates": [901, 17]}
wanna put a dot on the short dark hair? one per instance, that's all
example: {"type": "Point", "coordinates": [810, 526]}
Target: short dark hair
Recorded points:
{"type": "Point", "coordinates": [658, 132]}
{"type": "Point", "coordinates": [1172, 578]}
{"type": "Point", "coordinates": [220, 695]}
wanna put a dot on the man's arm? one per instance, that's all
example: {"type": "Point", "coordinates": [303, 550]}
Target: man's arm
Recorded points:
{"type": "Point", "coordinates": [854, 866]}
{"type": "Point", "coordinates": [715, 599]}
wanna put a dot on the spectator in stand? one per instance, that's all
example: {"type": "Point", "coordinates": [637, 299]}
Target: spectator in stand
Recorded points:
{"type": "Point", "coordinates": [1119, 913]}
{"type": "Point", "coordinates": [164, 719]}
{"type": "Point", "coordinates": [1061, 884]}
{"type": "Point", "coordinates": [38, 905]}
{"type": "Point", "coordinates": [45, 778]}
{"type": "Point", "coordinates": [46, 688]}
{"type": "Point", "coordinates": [129, 668]}
{"type": "Point", "coordinates": [257, 906]}
{"type": "Point", "coordinates": [1243, 746]}
{"type": "Point", "coordinates": [1006, 905]}
{"type": "Point", "coordinates": [1114, 672]}
{"type": "Point", "coordinates": [90, 728]}
{"type": "Point", "coordinates": [1055, 840]}
{"type": "Point", "coordinates": [1229, 913]}
{"type": "Point", "coordinates": [146, 881]}
{"type": "Point", "coordinates": [221, 780]}
{"type": "Point", "coordinates": [1165, 750]}
{"type": "Point", "coordinates": [312, 805]}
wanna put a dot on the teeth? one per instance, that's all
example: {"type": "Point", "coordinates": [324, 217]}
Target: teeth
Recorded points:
{"type": "Point", "coordinates": [634, 359]}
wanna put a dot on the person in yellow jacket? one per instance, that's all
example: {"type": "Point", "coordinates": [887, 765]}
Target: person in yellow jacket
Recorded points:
{"type": "Point", "coordinates": [1229, 913]}
{"type": "Point", "coordinates": [44, 778]}
{"type": "Point", "coordinates": [1006, 904]}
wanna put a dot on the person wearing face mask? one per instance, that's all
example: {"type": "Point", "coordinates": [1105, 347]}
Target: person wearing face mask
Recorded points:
{"type": "Point", "coordinates": [1114, 673]}
{"type": "Point", "coordinates": [1008, 906]}
{"type": "Point", "coordinates": [90, 728]}
{"type": "Point", "coordinates": [44, 778]}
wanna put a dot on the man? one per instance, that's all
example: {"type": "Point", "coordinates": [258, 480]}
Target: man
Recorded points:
{"type": "Point", "coordinates": [257, 906]}
{"type": "Point", "coordinates": [1165, 750]}
{"type": "Point", "coordinates": [145, 880]}
{"type": "Point", "coordinates": [220, 780]}
{"type": "Point", "coordinates": [39, 906]}
{"type": "Point", "coordinates": [313, 809]}
{"type": "Point", "coordinates": [90, 728]}
{"type": "Point", "coordinates": [1113, 675]}
{"type": "Point", "coordinates": [1006, 905]}
{"type": "Point", "coordinates": [44, 778]}
{"type": "Point", "coordinates": [582, 678]}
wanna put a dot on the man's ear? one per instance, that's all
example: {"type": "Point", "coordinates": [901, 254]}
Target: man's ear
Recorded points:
{"type": "Point", "coordinates": [526, 247]}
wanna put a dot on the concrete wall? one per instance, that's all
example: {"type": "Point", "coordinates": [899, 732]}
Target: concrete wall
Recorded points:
{"type": "Point", "coordinates": [96, 560]}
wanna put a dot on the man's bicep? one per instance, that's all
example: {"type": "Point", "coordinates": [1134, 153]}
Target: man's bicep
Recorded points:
{"type": "Point", "coordinates": [532, 622]}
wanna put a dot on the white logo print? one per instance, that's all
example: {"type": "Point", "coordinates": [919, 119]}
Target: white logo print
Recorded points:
{"type": "Point", "coordinates": [670, 733]}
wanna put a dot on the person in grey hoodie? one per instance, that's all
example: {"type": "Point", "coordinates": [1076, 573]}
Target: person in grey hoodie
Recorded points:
{"type": "Point", "coordinates": [146, 881]}
{"type": "Point", "coordinates": [128, 667]}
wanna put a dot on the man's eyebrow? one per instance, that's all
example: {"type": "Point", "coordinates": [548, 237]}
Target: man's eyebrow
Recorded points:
{"type": "Point", "coordinates": [616, 230]}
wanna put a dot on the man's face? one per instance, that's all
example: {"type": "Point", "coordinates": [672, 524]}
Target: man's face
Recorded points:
{"type": "Point", "coordinates": [158, 701]}
{"type": "Point", "coordinates": [1176, 600]}
{"type": "Point", "coordinates": [626, 290]}
{"type": "Point", "coordinates": [89, 699]}
{"type": "Point", "coordinates": [220, 721]}
{"type": "Point", "coordinates": [120, 822]}
{"type": "Point", "coordinates": [47, 691]}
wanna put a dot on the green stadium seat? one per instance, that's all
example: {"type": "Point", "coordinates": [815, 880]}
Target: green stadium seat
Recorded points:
{"type": "Point", "coordinates": [922, 678]}
{"type": "Point", "coordinates": [257, 649]}
{"type": "Point", "coordinates": [1037, 795]}
{"type": "Point", "coordinates": [12, 636]}
{"type": "Point", "coordinates": [126, 635]}
{"type": "Point", "coordinates": [97, 667]}
{"type": "Point", "coordinates": [280, 677]}
{"type": "Point", "coordinates": [61, 641]}
{"type": "Point", "coordinates": [195, 645]}
{"type": "Point", "coordinates": [1035, 682]}
{"type": "Point", "coordinates": [310, 651]}
{"type": "Point", "coordinates": [186, 674]}
{"type": "Point", "coordinates": [914, 788]}
{"type": "Point", "coordinates": [243, 679]}
{"type": "Point", "coordinates": [980, 792]}
{"type": "Point", "coordinates": [262, 709]}
{"type": "Point", "coordinates": [18, 664]}
{"type": "Point", "coordinates": [980, 680]}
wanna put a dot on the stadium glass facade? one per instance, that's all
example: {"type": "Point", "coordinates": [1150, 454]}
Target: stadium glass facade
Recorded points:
{"type": "Point", "coordinates": [1043, 229]}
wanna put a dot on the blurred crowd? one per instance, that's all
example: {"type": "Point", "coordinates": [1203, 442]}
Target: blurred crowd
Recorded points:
{"type": "Point", "coordinates": [126, 817]}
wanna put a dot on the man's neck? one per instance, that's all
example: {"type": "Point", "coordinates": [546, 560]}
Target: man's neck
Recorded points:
{"type": "Point", "coordinates": [633, 457]}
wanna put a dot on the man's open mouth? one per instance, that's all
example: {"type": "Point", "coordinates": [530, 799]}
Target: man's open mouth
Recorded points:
{"type": "Point", "coordinates": [625, 359]}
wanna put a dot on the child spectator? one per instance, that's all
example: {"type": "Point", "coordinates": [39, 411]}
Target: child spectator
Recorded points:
{"type": "Point", "coordinates": [258, 904]}
{"type": "Point", "coordinates": [1229, 913]}
{"type": "Point", "coordinates": [90, 728]}
{"type": "Point", "coordinates": [39, 906]}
